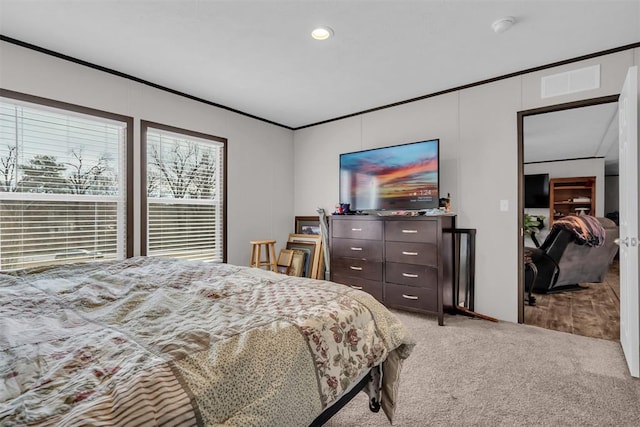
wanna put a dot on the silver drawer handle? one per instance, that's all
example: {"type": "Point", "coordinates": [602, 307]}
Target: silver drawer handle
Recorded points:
{"type": "Point", "coordinates": [410, 231]}
{"type": "Point", "coordinates": [359, 288]}
{"type": "Point", "coordinates": [410, 253]}
{"type": "Point", "coordinates": [413, 276]}
{"type": "Point", "coordinates": [409, 296]}
{"type": "Point", "coordinates": [356, 249]}
{"type": "Point", "coordinates": [356, 229]}
{"type": "Point", "coordinates": [355, 268]}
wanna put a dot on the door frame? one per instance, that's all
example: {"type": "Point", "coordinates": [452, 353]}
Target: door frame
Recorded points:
{"type": "Point", "coordinates": [521, 115]}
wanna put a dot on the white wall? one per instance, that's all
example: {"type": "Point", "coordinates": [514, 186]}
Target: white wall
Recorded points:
{"type": "Point", "coordinates": [477, 128]}
{"type": "Point", "coordinates": [260, 155]}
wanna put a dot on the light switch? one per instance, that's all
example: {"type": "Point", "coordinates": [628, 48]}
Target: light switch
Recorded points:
{"type": "Point", "coordinates": [504, 205]}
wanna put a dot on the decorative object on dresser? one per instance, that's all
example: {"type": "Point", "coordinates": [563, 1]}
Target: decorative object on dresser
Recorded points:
{"type": "Point", "coordinates": [406, 262]}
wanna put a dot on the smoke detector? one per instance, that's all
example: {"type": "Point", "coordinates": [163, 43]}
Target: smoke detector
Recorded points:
{"type": "Point", "coordinates": [503, 24]}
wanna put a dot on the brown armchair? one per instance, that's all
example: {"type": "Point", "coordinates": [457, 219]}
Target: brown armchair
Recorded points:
{"type": "Point", "coordinates": [562, 264]}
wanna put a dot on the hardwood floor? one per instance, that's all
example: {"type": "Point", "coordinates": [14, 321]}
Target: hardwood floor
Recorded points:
{"type": "Point", "coordinates": [593, 311]}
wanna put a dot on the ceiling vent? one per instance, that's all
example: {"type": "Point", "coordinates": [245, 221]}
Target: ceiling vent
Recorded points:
{"type": "Point", "coordinates": [573, 81]}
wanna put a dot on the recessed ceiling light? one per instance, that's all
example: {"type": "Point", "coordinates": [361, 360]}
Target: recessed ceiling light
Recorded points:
{"type": "Point", "coordinates": [503, 24]}
{"type": "Point", "coordinates": [322, 33]}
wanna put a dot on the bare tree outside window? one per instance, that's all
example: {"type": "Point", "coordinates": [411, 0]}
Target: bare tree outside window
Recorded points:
{"type": "Point", "coordinates": [206, 180]}
{"type": "Point", "coordinates": [87, 177]}
{"type": "Point", "coordinates": [154, 180]}
{"type": "Point", "coordinates": [185, 171]}
{"type": "Point", "coordinates": [8, 169]}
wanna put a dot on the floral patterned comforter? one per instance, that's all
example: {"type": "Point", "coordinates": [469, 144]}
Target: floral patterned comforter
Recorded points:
{"type": "Point", "coordinates": [170, 342]}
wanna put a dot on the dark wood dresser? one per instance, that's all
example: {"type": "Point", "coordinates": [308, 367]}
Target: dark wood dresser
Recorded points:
{"type": "Point", "coordinates": [405, 262]}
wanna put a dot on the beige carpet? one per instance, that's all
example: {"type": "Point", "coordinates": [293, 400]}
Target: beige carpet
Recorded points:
{"type": "Point", "coordinates": [480, 373]}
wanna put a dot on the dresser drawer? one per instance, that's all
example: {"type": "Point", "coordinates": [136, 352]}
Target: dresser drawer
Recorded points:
{"type": "Point", "coordinates": [410, 297]}
{"type": "Point", "coordinates": [354, 248]}
{"type": "Point", "coordinates": [411, 231]}
{"type": "Point", "coordinates": [352, 267]}
{"type": "Point", "coordinates": [413, 275]}
{"type": "Point", "coordinates": [412, 253]}
{"type": "Point", "coordinates": [357, 229]}
{"type": "Point", "coordinates": [372, 287]}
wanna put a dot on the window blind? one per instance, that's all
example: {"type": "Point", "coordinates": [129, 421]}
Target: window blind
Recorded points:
{"type": "Point", "coordinates": [184, 196]}
{"type": "Point", "coordinates": [62, 186]}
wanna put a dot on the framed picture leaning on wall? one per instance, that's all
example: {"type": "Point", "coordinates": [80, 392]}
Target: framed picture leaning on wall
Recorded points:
{"type": "Point", "coordinates": [307, 225]}
{"type": "Point", "coordinates": [316, 263]}
{"type": "Point", "coordinates": [309, 250]}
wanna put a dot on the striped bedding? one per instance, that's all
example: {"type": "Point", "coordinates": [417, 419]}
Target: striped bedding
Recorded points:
{"type": "Point", "coordinates": [151, 341]}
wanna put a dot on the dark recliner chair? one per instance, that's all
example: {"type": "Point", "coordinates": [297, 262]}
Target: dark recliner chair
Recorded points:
{"type": "Point", "coordinates": [562, 263]}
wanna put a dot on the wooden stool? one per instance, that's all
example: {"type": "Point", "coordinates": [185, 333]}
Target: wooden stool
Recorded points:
{"type": "Point", "coordinates": [270, 253]}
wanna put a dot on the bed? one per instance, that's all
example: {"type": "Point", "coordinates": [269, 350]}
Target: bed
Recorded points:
{"type": "Point", "coordinates": [171, 342]}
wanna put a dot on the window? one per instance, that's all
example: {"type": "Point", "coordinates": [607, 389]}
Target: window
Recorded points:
{"type": "Point", "coordinates": [183, 194]}
{"type": "Point", "coordinates": [63, 195]}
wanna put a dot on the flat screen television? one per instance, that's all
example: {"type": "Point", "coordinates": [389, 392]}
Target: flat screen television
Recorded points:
{"type": "Point", "coordinates": [536, 190]}
{"type": "Point", "coordinates": [399, 177]}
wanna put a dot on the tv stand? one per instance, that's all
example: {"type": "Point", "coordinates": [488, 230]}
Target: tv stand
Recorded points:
{"type": "Point", "coordinates": [405, 262]}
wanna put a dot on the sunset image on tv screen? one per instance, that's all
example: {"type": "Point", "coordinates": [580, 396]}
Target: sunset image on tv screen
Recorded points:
{"type": "Point", "coordinates": [398, 177]}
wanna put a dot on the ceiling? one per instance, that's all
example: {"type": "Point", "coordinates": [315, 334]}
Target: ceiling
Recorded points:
{"type": "Point", "coordinates": [578, 133]}
{"type": "Point", "coordinates": [257, 57]}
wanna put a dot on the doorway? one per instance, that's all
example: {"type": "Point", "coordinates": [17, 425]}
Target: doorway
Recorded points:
{"type": "Point", "coordinates": [565, 140]}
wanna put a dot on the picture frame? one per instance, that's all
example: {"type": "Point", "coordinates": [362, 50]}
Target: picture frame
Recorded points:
{"type": "Point", "coordinates": [316, 240]}
{"type": "Point", "coordinates": [307, 225]}
{"type": "Point", "coordinates": [285, 258]}
{"type": "Point", "coordinates": [297, 263]}
{"type": "Point", "coordinates": [309, 249]}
